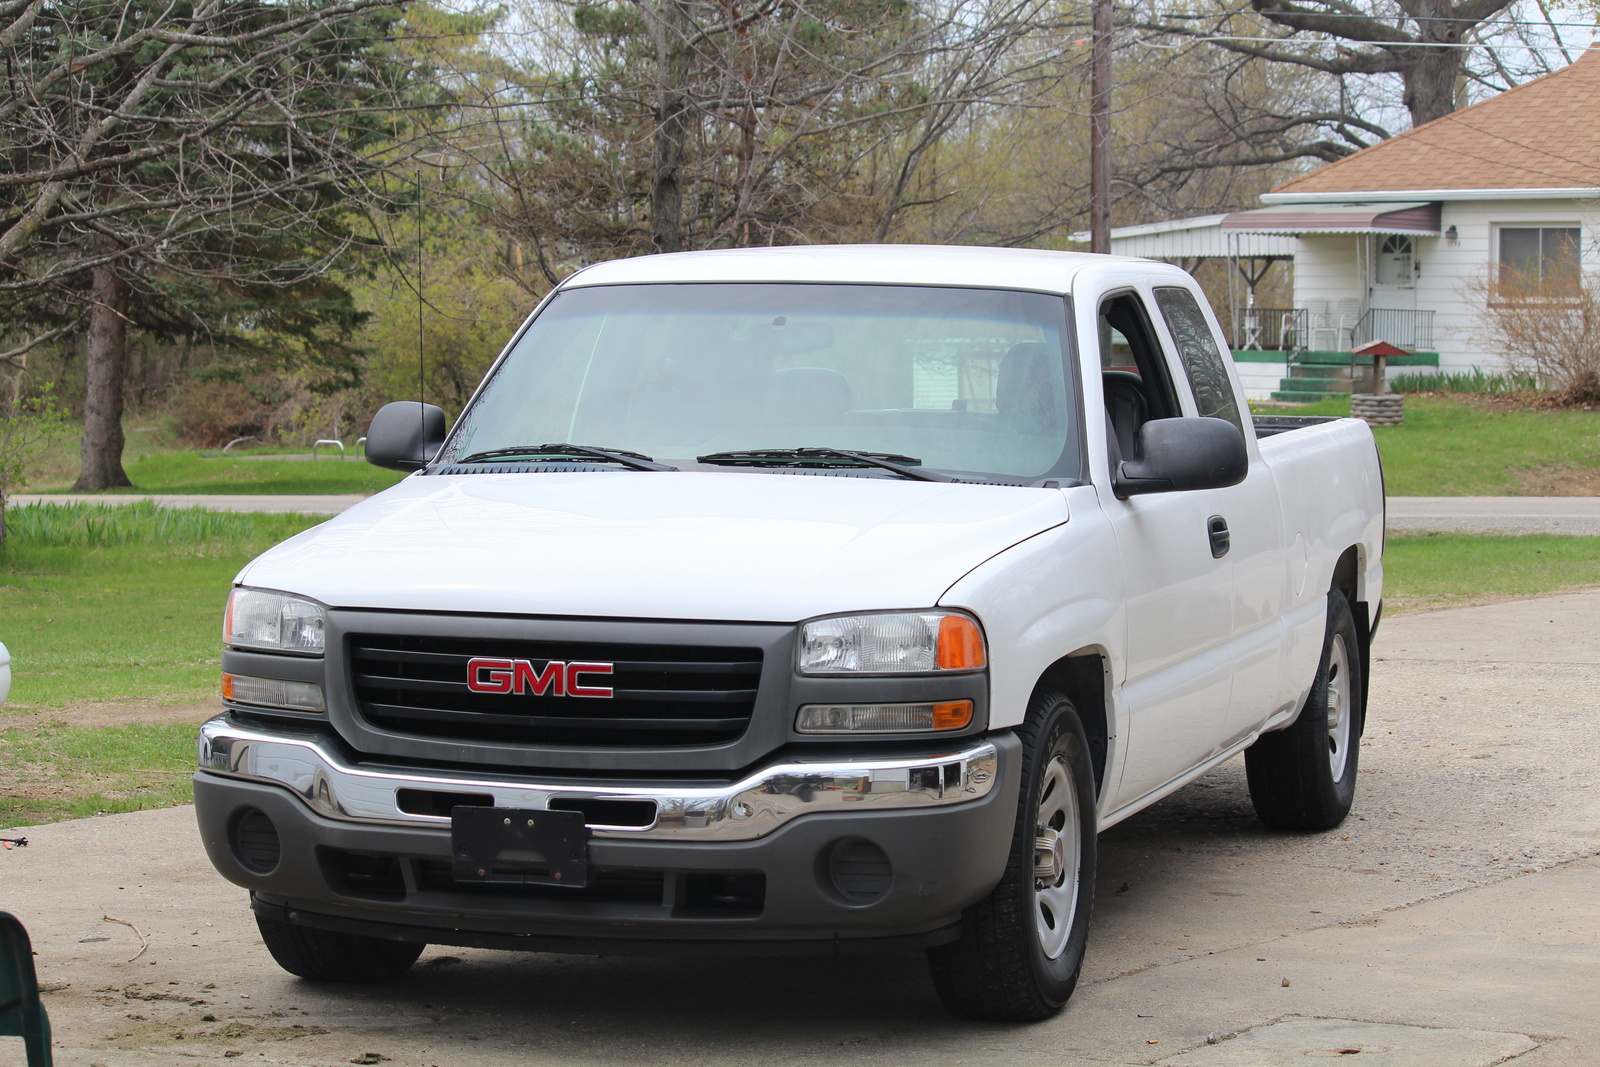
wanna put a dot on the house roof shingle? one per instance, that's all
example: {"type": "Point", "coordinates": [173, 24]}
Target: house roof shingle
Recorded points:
{"type": "Point", "coordinates": [1541, 135]}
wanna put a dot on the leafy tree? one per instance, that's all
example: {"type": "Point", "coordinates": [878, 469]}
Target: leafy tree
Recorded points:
{"type": "Point", "coordinates": [188, 167]}
{"type": "Point", "coordinates": [27, 422]}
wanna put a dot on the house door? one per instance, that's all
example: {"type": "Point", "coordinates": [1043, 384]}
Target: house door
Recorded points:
{"type": "Point", "coordinates": [1394, 273]}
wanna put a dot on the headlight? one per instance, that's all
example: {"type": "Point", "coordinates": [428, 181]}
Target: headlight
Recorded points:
{"type": "Point", "coordinates": [273, 622]}
{"type": "Point", "coordinates": [910, 642]}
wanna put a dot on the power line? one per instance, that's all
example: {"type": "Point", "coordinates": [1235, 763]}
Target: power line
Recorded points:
{"type": "Point", "coordinates": [1373, 18]}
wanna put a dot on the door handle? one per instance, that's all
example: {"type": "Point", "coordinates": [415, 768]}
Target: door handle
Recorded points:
{"type": "Point", "coordinates": [1221, 540]}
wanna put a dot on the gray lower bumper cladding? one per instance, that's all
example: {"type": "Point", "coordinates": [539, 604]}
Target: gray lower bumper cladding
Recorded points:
{"type": "Point", "coordinates": [798, 856]}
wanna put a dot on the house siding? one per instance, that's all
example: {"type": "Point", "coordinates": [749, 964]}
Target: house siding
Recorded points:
{"type": "Point", "coordinates": [1458, 327]}
{"type": "Point", "coordinates": [1325, 268]}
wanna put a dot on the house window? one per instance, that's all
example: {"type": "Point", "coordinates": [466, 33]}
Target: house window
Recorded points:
{"type": "Point", "coordinates": [1539, 256]}
{"type": "Point", "coordinates": [1394, 261]}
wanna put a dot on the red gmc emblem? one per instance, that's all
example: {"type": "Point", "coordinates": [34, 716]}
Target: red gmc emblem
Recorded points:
{"type": "Point", "coordinates": [519, 676]}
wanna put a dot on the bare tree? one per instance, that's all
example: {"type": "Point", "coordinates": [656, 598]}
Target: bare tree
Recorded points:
{"type": "Point", "coordinates": [150, 153]}
{"type": "Point", "coordinates": [1345, 54]}
{"type": "Point", "coordinates": [658, 125]}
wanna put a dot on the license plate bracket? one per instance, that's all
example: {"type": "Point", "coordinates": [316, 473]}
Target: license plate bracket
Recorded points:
{"type": "Point", "coordinates": [519, 846]}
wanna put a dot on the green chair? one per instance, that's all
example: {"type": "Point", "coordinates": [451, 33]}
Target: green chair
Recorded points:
{"type": "Point", "coordinates": [21, 1014]}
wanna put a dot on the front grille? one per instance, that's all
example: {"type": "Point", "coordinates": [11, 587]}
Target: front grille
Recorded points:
{"type": "Point", "coordinates": [663, 695]}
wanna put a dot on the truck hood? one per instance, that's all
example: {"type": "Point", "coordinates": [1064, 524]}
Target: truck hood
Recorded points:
{"type": "Point", "coordinates": [732, 546]}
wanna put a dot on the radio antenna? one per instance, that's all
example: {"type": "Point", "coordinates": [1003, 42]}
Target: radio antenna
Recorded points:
{"type": "Point", "coordinates": [421, 373]}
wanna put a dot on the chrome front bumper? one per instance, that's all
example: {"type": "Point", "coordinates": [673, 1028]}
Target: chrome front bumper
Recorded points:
{"type": "Point", "coordinates": [309, 766]}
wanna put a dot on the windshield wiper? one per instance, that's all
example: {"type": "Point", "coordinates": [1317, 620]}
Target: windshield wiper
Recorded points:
{"type": "Point", "coordinates": [633, 460]}
{"type": "Point", "coordinates": [905, 466]}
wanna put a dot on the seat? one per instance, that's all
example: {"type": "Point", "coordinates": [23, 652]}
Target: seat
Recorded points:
{"type": "Point", "coordinates": [1126, 410]}
{"type": "Point", "coordinates": [1026, 394]}
{"type": "Point", "coordinates": [21, 1013]}
{"type": "Point", "coordinates": [812, 395]}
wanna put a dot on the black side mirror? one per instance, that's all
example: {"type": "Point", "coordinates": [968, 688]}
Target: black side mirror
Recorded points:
{"type": "Point", "coordinates": [405, 435]}
{"type": "Point", "coordinates": [1179, 454]}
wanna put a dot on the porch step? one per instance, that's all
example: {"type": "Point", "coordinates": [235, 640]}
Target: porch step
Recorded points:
{"type": "Point", "coordinates": [1310, 382]}
{"type": "Point", "coordinates": [1305, 396]}
{"type": "Point", "coordinates": [1310, 372]}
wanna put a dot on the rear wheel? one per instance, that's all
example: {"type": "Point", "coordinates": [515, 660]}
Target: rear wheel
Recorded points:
{"type": "Point", "coordinates": [328, 956]}
{"type": "Point", "coordinates": [1021, 947]}
{"type": "Point", "coordinates": [1304, 777]}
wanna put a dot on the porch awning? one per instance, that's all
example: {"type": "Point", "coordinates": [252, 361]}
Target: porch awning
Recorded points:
{"type": "Point", "coordinates": [1200, 237]}
{"type": "Point", "coordinates": [1419, 218]}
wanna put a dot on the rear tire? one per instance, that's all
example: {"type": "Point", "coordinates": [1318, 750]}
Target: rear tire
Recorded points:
{"type": "Point", "coordinates": [1303, 777]}
{"type": "Point", "coordinates": [328, 956]}
{"type": "Point", "coordinates": [1021, 947]}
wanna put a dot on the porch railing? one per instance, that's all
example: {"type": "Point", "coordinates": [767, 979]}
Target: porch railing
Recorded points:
{"type": "Point", "coordinates": [1271, 329]}
{"type": "Point", "coordinates": [1410, 330]}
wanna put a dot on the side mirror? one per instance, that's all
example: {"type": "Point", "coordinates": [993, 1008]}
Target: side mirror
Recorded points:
{"type": "Point", "coordinates": [1177, 454]}
{"type": "Point", "coordinates": [405, 435]}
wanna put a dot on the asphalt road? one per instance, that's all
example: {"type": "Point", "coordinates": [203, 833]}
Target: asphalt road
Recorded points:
{"type": "Point", "coordinates": [1457, 514]}
{"type": "Point", "coordinates": [1578, 515]}
{"type": "Point", "coordinates": [1449, 922]}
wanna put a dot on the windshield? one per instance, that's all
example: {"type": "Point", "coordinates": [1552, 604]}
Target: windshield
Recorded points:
{"type": "Point", "coordinates": [963, 380]}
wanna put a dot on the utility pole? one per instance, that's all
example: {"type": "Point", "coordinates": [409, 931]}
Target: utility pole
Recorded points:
{"type": "Point", "coordinates": [1100, 130]}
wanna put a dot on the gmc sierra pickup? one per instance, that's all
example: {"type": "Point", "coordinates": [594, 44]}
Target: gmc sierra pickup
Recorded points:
{"type": "Point", "coordinates": [799, 599]}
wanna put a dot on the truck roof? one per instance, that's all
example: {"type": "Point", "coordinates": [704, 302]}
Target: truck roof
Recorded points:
{"type": "Point", "coordinates": [992, 268]}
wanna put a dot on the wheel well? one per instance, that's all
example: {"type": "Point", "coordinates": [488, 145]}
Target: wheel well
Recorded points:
{"type": "Point", "coordinates": [1344, 576]}
{"type": "Point", "coordinates": [1345, 579]}
{"type": "Point", "coordinates": [1082, 677]}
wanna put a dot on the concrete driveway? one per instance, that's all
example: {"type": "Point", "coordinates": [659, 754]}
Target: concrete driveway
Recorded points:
{"type": "Point", "coordinates": [1451, 921]}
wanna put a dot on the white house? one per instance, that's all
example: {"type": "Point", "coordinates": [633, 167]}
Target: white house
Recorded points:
{"type": "Point", "coordinates": [1389, 243]}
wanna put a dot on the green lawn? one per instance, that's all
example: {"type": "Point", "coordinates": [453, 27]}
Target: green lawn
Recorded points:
{"type": "Point", "coordinates": [118, 604]}
{"type": "Point", "coordinates": [62, 772]}
{"type": "Point", "coordinates": [1436, 570]}
{"type": "Point", "coordinates": [157, 462]}
{"type": "Point", "coordinates": [112, 604]}
{"type": "Point", "coordinates": [122, 602]}
{"type": "Point", "coordinates": [188, 472]}
{"type": "Point", "coordinates": [1449, 447]}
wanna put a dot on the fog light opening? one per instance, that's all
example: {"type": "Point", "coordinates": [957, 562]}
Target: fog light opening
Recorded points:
{"type": "Point", "coordinates": [255, 842]}
{"type": "Point", "coordinates": [859, 871]}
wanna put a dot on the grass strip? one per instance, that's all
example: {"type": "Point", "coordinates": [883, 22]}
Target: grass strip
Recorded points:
{"type": "Point", "coordinates": [104, 602]}
{"type": "Point", "coordinates": [187, 472]}
{"type": "Point", "coordinates": [109, 604]}
{"type": "Point", "coordinates": [1438, 570]}
{"type": "Point", "coordinates": [52, 771]}
{"type": "Point", "coordinates": [1451, 447]}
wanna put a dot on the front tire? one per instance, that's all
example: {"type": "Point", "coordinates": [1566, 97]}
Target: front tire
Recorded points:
{"type": "Point", "coordinates": [1021, 947]}
{"type": "Point", "coordinates": [328, 956]}
{"type": "Point", "coordinates": [1303, 777]}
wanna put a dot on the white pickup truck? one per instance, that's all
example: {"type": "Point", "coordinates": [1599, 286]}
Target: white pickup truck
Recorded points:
{"type": "Point", "coordinates": [805, 600]}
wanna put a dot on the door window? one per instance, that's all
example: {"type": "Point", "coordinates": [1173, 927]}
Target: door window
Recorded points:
{"type": "Point", "coordinates": [1395, 259]}
{"type": "Point", "coordinates": [1202, 361]}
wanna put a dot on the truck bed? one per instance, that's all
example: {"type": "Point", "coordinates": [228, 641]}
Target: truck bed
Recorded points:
{"type": "Point", "coordinates": [1271, 425]}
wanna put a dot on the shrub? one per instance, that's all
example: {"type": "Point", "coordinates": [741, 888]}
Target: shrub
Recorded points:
{"type": "Point", "coordinates": [1549, 329]}
{"type": "Point", "coordinates": [211, 413]}
{"type": "Point", "coordinates": [1474, 381]}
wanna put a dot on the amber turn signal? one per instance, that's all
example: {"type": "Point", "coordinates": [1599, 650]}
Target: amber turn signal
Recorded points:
{"type": "Point", "coordinates": [960, 644]}
{"type": "Point", "coordinates": [952, 715]}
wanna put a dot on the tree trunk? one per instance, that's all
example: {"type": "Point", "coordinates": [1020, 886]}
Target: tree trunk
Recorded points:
{"type": "Point", "coordinates": [1430, 83]}
{"type": "Point", "coordinates": [102, 401]}
{"type": "Point", "coordinates": [672, 26]}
